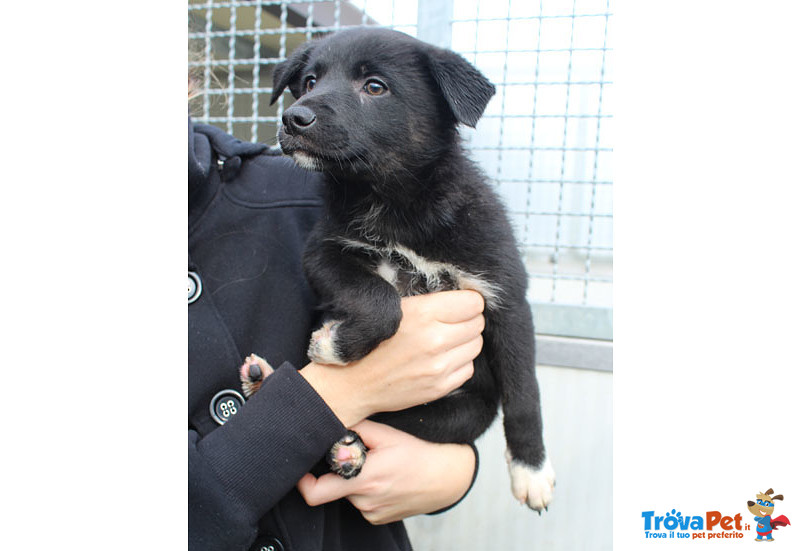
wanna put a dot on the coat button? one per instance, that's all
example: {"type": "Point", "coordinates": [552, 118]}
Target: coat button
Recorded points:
{"type": "Point", "coordinates": [224, 405]}
{"type": "Point", "coordinates": [195, 287]}
{"type": "Point", "coordinates": [267, 543]}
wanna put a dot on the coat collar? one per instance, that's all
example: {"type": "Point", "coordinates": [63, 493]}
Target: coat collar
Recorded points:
{"type": "Point", "coordinates": [207, 146]}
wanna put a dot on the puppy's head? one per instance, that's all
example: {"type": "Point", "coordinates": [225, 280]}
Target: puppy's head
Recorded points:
{"type": "Point", "coordinates": [375, 103]}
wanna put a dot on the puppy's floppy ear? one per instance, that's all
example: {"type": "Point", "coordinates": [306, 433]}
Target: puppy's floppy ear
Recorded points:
{"type": "Point", "coordinates": [465, 89]}
{"type": "Point", "coordinates": [287, 73]}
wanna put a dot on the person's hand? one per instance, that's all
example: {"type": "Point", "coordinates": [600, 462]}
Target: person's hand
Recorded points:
{"type": "Point", "coordinates": [430, 355]}
{"type": "Point", "coordinates": [403, 476]}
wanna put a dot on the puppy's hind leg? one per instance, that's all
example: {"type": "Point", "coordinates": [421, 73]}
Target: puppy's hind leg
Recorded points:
{"type": "Point", "coordinates": [347, 456]}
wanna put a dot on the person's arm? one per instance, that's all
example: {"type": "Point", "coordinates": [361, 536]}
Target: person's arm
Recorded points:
{"type": "Point", "coordinates": [429, 356]}
{"type": "Point", "coordinates": [243, 468]}
{"type": "Point", "coordinates": [403, 476]}
{"type": "Point", "coordinates": [406, 476]}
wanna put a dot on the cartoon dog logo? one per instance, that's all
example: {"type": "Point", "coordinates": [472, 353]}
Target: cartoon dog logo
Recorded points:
{"type": "Point", "coordinates": [762, 508]}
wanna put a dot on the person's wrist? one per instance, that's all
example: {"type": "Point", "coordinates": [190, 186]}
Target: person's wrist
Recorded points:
{"type": "Point", "coordinates": [464, 457]}
{"type": "Point", "coordinates": [457, 480]}
{"type": "Point", "coordinates": [339, 389]}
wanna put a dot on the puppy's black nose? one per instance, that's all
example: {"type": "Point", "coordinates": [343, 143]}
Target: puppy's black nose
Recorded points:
{"type": "Point", "coordinates": [297, 119]}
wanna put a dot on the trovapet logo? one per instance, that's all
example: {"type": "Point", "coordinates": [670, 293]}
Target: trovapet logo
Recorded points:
{"type": "Point", "coordinates": [676, 525]}
{"type": "Point", "coordinates": [716, 524]}
{"type": "Point", "coordinates": [762, 508]}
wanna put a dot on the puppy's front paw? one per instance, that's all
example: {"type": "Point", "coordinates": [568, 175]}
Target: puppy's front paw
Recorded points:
{"type": "Point", "coordinates": [532, 486]}
{"type": "Point", "coordinates": [252, 373]}
{"type": "Point", "coordinates": [347, 456]}
{"type": "Point", "coordinates": [322, 348]}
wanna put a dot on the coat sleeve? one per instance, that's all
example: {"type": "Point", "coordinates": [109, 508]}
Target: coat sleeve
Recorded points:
{"type": "Point", "coordinates": [239, 471]}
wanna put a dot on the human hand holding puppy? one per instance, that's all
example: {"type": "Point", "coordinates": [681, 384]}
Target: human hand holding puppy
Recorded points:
{"type": "Point", "coordinates": [405, 476]}
{"type": "Point", "coordinates": [430, 355]}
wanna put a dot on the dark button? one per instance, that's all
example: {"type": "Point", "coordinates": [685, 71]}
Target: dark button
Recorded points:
{"type": "Point", "coordinates": [267, 543]}
{"type": "Point", "coordinates": [225, 404]}
{"type": "Point", "coordinates": [195, 287]}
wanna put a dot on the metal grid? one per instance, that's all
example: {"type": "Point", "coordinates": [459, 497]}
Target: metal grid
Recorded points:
{"type": "Point", "coordinates": [543, 140]}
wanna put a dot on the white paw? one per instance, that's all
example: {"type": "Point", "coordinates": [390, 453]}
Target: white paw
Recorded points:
{"type": "Point", "coordinates": [533, 487]}
{"type": "Point", "coordinates": [322, 347]}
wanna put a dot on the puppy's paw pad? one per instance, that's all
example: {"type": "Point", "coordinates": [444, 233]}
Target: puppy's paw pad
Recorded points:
{"type": "Point", "coordinates": [531, 486]}
{"type": "Point", "coordinates": [347, 456]}
{"type": "Point", "coordinates": [322, 348]}
{"type": "Point", "coordinates": [252, 373]}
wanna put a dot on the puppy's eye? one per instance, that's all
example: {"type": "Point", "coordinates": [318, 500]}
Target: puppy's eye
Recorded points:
{"type": "Point", "coordinates": [375, 87]}
{"type": "Point", "coordinates": [310, 83]}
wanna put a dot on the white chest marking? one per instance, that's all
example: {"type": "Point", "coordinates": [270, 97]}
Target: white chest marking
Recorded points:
{"type": "Point", "coordinates": [306, 161]}
{"type": "Point", "coordinates": [433, 271]}
{"type": "Point", "coordinates": [387, 271]}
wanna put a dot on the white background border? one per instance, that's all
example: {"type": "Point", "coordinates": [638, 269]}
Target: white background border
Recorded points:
{"type": "Point", "coordinates": [92, 221]}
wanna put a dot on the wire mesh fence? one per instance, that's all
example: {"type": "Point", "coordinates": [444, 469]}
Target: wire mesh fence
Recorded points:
{"type": "Point", "coordinates": [544, 139]}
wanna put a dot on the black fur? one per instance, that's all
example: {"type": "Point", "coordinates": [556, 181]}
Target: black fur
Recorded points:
{"type": "Point", "coordinates": [397, 175]}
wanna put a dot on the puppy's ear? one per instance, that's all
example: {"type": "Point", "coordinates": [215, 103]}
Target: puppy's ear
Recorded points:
{"type": "Point", "coordinates": [778, 497]}
{"type": "Point", "coordinates": [465, 89]}
{"type": "Point", "coordinates": [287, 73]}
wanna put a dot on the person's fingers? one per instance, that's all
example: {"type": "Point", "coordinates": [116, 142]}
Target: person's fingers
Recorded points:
{"type": "Point", "coordinates": [463, 354]}
{"type": "Point", "coordinates": [456, 366]}
{"type": "Point", "coordinates": [451, 306]}
{"type": "Point", "coordinates": [460, 376]}
{"type": "Point", "coordinates": [329, 487]}
{"type": "Point", "coordinates": [451, 335]}
{"type": "Point", "coordinates": [377, 516]}
{"type": "Point", "coordinates": [374, 434]}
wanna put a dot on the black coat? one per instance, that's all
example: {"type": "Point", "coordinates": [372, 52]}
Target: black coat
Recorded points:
{"type": "Point", "coordinates": [249, 217]}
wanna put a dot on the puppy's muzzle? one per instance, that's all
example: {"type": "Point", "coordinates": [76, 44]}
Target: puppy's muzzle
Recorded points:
{"type": "Point", "coordinates": [298, 119]}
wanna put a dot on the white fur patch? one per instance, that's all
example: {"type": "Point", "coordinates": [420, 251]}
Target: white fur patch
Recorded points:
{"type": "Point", "coordinates": [387, 271]}
{"type": "Point", "coordinates": [533, 487]}
{"type": "Point", "coordinates": [321, 349]}
{"type": "Point", "coordinates": [304, 160]}
{"type": "Point", "coordinates": [433, 271]}
{"type": "Point", "coordinates": [489, 291]}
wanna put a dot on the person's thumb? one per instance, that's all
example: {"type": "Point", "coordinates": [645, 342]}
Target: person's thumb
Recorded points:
{"type": "Point", "coordinates": [375, 435]}
{"type": "Point", "coordinates": [329, 487]}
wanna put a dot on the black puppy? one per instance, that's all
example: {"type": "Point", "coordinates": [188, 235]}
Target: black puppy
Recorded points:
{"type": "Point", "coordinates": [407, 213]}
